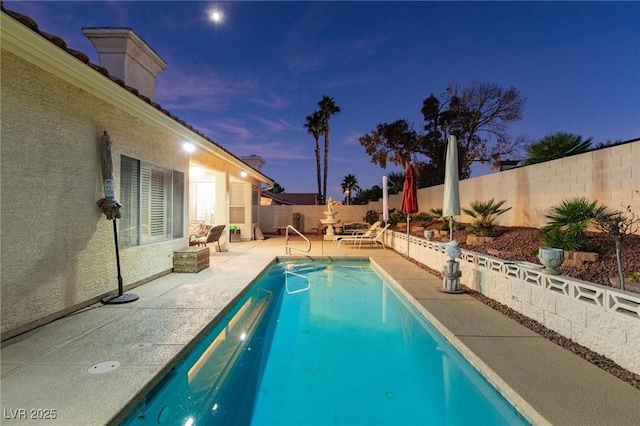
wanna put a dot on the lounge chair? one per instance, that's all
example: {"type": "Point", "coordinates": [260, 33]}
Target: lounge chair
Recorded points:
{"type": "Point", "coordinates": [362, 233]}
{"type": "Point", "coordinates": [359, 239]}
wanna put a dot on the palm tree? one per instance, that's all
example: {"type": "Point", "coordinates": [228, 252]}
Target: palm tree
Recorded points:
{"type": "Point", "coordinates": [315, 127]}
{"type": "Point", "coordinates": [396, 181]}
{"type": "Point", "coordinates": [349, 185]}
{"type": "Point", "coordinates": [328, 108]}
{"type": "Point", "coordinates": [556, 145]}
{"type": "Point", "coordinates": [569, 222]}
{"type": "Point", "coordinates": [484, 214]}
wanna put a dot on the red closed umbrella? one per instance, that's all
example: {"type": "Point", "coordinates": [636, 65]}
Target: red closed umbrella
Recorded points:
{"type": "Point", "coordinates": [409, 196]}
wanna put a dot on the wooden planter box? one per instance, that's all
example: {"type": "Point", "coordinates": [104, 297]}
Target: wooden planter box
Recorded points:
{"type": "Point", "coordinates": [192, 259]}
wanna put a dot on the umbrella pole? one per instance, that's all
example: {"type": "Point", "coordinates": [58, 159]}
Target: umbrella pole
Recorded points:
{"type": "Point", "coordinates": [115, 237]}
{"type": "Point", "coordinates": [450, 228]}
{"type": "Point", "coordinates": [120, 298]}
{"type": "Point", "coordinates": [408, 229]}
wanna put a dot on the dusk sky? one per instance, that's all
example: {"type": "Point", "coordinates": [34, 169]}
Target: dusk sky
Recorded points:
{"type": "Point", "coordinates": [249, 81]}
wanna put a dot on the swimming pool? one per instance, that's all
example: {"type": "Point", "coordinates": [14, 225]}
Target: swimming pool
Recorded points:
{"type": "Point", "coordinates": [318, 343]}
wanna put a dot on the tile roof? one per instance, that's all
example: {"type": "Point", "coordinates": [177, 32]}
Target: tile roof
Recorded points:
{"type": "Point", "coordinates": [82, 57]}
{"type": "Point", "coordinates": [296, 199]}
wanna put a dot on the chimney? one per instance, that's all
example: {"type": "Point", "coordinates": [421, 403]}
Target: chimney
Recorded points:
{"type": "Point", "coordinates": [128, 57]}
{"type": "Point", "coordinates": [254, 161]}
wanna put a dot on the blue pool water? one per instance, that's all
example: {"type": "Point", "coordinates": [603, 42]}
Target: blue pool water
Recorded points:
{"type": "Point", "coordinates": [324, 343]}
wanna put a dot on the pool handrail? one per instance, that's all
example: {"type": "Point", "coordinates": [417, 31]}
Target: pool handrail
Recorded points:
{"type": "Point", "coordinates": [286, 282]}
{"type": "Point", "coordinates": [288, 248]}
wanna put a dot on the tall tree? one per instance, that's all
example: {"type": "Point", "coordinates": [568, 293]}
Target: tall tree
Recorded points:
{"type": "Point", "coordinates": [315, 127]}
{"type": "Point", "coordinates": [391, 142]}
{"type": "Point", "coordinates": [366, 195]}
{"type": "Point", "coordinates": [350, 185]}
{"type": "Point", "coordinates": [478, 115]}
{"type": "Point", "coordinates": [396, 182]}
{"type": "Point", "coordinates": [328, 108]}
{"type": "Point", "coordinates": [556, 145]}
{"type": "Point", "coordinates": [277, 189]}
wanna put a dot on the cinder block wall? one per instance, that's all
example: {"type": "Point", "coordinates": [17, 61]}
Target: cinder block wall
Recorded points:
{"type": "Point", "coordinates": [278, 216]}
{"type": "Point", "coordinates": [603, 319]}
{"type": "Point", "coordinates": [610, 175]}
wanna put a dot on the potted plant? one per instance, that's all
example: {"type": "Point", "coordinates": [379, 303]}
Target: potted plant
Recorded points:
{"type": "Point", "coordinates": [551, 258]}
{"type": "Point", "coordinates": [441, 223]}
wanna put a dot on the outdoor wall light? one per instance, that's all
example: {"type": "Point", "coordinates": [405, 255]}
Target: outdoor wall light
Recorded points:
{"type": "Point", "coordinates": [243, 174]}
{"type": "Point", "coordinates": [188, 147]}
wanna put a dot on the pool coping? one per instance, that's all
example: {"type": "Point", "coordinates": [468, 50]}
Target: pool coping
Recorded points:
{"type": "Point", "coordinates": [520, 404]}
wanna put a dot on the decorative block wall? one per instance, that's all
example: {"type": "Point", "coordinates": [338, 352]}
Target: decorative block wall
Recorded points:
{"type": "Point", "coordinates": [603, 319]}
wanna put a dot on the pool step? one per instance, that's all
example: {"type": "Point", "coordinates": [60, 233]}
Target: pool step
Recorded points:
{"type": "Point", "coordinates": [208, 373]}
{"type": "Point", "coordinates": [305, 268]}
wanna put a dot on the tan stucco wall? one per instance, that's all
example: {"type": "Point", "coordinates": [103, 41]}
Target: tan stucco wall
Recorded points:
{"type": "Point", "coordinates": [57, 248]}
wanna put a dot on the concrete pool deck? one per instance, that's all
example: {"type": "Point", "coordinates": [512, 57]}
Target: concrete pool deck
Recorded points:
{"type": "Point", "coordinates": [47, 368]}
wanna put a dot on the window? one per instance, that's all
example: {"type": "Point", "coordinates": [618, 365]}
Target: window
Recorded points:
{"type": "Point", "coordinates": [255, 203]}
{"type": "Point", "coordinates": [236, 202]}
{"type": "Point", "coordinates": [152, 203]}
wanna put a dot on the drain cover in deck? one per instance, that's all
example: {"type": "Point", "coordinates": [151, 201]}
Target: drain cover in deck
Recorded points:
{"type": "Point", "coordinates": [103, 367]}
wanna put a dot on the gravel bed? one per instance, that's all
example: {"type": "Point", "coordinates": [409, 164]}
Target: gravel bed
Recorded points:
{"type": "Point", "coordinates": [521, 244]}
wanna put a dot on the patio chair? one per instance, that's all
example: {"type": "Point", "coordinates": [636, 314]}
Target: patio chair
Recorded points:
{"type": "Point", "coordinates": [197, 231]}
{"type": "Point", "coordinates": [213, 235]}
{"type": "Point", "coordinates": [359, 239]}
{"type": "Point", "coordinates": [361, 233]}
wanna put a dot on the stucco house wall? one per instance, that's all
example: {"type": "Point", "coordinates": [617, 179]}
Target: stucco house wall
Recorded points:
{"type": "Point", "coordinates": [57, 248]}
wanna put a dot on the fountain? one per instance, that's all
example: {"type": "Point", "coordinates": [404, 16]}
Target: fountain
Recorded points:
{"type": "Point", "coordinates": [330, 219]}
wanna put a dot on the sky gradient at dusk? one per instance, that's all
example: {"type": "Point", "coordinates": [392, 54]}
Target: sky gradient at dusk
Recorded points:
{"type": "Point", "coordinates": [249, 81]}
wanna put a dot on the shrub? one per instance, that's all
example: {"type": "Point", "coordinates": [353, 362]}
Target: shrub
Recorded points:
{"type": "Point", "coordinates": [423, 217]}
{"type": "Point", "coordinates": [618, 224]}
{"type": "Point", "coordinates": [442, 221]}
{"type": "Point", "coordinates": [396, 216]}
{"type": "Point", "coordinates": [635, 277]}
{"type": "Point", "coordinates": [568, 223]}
{"type": "Point", "coordinates": [371, 217]}
{"type": "Point", "coordinates": [485, 214]}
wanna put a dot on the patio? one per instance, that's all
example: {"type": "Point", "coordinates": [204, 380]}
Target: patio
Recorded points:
{"type": "Point", "coordinates": [47, 368]}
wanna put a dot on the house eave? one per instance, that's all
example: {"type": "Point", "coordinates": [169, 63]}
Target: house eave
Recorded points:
{"type": "Point", "coordinates": [27, 44]}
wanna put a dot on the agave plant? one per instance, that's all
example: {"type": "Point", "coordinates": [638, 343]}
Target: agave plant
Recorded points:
{"type": "Point", "coordinates": [568, 223]}
{"type": "Point", "coordinates": [485, 214]}
{"type": "Point", "coordinates": [442, 221]}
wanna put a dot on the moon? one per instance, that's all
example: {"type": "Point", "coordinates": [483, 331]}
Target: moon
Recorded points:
{"type": "Point", "coordinates": [215, 16]}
